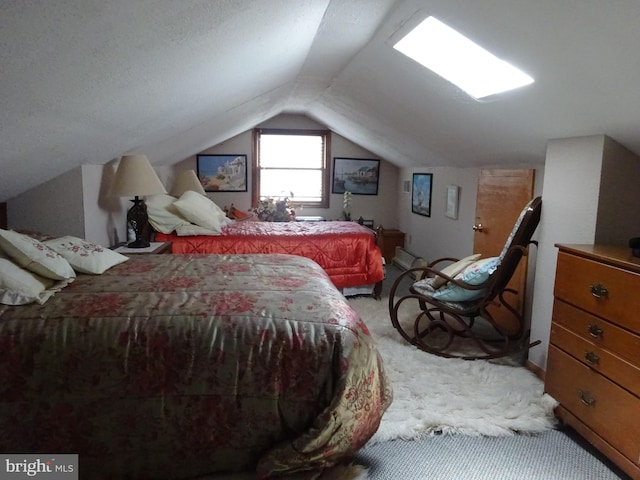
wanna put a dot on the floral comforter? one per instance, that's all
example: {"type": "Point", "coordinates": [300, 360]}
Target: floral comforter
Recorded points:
{"type": "Point", "coordinates": [347, 251]}
{"type": "Point", "coordinates": [176, 366]}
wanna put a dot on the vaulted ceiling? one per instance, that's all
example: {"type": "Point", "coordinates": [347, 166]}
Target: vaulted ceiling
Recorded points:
{"type": "Point", "coordinates": [86, 81]}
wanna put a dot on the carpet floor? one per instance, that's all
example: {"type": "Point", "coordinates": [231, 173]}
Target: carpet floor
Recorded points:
{"type": "Point", "coordinates": [556, 454]}
{"type": "Point", "coordinates": [551, 455]}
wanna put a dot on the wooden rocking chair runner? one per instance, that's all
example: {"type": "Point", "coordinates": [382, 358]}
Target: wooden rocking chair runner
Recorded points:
{"type": "Point", "coordinates": [463, 311]}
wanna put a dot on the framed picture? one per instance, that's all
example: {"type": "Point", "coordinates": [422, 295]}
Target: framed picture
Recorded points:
{"type": "Point", "coordinates": [452, 201]}
{"type": "Point", "coordinates": [421, 194]}
{"type": "Point", "coordinates": [222, 173]}
{"type": "Point", "coordinates": [356, 175]}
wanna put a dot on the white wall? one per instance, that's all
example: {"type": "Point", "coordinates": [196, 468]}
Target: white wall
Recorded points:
{"type": "Point", "coordinates": [100, 210]}
{"type": "Point", "coordinates": [438, 236]}
{"type": "Point", "coordinates": [619, 205]}
{"type": "Point", "coordinates": [589, 188]}
{"type": "Point", "coordinates": [55, 207]}
{"type": "Point", "coordinates": [380, 208]}
{"type": "Point", "coordinates": [77, 203]}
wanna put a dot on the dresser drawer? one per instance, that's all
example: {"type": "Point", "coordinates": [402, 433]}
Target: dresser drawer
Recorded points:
{"type": "Point", "coordinates": [604, 361]}
{"type": "Point", "coordinates": [597, 402]}
{"type": "Point", "coordinates": [597, 331]}
{"type": "Point", "coordinates": [578, 278]}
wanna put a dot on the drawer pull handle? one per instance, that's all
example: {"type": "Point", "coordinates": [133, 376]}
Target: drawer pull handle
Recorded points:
{"type": "Point", "coordinates": [586, 398]}
{"type": "Point", "coordinates": [599, 291]}
{"type": "Point", "coordinates": [595, 331]}
{"type": "Point", "coordinates": [592, 358]}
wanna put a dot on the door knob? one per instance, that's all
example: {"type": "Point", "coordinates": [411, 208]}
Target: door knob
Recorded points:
{"type": "Point", "coordinates": [478, 227]}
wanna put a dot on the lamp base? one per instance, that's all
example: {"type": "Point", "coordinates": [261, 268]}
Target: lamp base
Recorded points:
{"type": "Point", "coordinates": [139, 243]}
{"type": "Point", "coordinates": [137, 219]}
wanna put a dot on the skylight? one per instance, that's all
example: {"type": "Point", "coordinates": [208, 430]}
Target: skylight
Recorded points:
{"type": "Point", "coordinates": [459, 60]}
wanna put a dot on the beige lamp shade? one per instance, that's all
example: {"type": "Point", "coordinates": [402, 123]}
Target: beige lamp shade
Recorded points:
{"type": "Point", "coordinates": [187, 180]}
{"type": "Point", "coordinates": [136, 177]}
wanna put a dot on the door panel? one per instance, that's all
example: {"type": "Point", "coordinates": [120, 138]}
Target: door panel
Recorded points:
{"type": "Point", "coordinates": [502, 194]}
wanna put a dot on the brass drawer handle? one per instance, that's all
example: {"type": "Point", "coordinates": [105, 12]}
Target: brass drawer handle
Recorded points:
{"type": "Point", "coordinates": [595, 331]}
{"type": "Point", "coordinates": [599, 291]}
{"type": "Point", "coordinates": [586, 398]}
{"type": "Point", "coordinates": [592, 358]}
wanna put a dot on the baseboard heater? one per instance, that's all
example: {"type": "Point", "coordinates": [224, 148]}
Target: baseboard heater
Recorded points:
{"type": "Point", "coordinates": [406, 260]}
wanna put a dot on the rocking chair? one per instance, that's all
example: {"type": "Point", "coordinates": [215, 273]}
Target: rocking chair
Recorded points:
{"type": "Point", "coordinates": [456, 302]}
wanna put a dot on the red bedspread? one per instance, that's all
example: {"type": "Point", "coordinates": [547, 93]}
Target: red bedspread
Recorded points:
{"type": "Point", "coordinates": [347, 251]}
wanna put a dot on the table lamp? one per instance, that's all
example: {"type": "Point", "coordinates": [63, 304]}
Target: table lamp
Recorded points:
{"type": "Point", "coordinates": [187, 180]}
{"type": "Point", "coordinates": [135, 177]}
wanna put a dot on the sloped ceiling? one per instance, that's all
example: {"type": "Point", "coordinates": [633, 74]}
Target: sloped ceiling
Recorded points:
{"type": "Point", "coordinates": [86, 81]}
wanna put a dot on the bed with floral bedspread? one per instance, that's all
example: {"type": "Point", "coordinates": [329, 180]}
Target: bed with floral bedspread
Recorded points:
{"type": "Point", "coordinates": [176, 366]}
{"type": "Point", "coordinates": [347, 251]}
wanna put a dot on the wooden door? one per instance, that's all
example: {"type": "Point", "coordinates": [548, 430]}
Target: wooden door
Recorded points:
{"type": "Point", "coordinates": [502, 194]}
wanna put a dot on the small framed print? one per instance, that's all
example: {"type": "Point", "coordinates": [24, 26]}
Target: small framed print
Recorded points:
{"type": "Point", "coordinates": [421, 194]}
{"type": "Point", "coordinates": [452, 202]}
{"type": "Point", "coordinates": [223, 173]}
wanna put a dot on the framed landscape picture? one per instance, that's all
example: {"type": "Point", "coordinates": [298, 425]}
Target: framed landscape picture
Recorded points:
{"type": "Point", "coordinates": [356, 175]}
{"type": "Point", "coordinates": [421, 194]}
{"type": "Point", "coordinates": [222, 173]}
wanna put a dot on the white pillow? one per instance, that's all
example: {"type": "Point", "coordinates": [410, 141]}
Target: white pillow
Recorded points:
{"type": "Point", "coordinates": [163, 216]}
{"type": "Point", "coordinates": [19, 286]}
{"type": "Point", "coordinates": [455, 268]}
{"type": "Point", "coordinates": [192, 229]}
{"type": "Point", "coordinates": [34, 255]}
{"type": "Point", "coordinates": [86, 257]}
{"type": "Point", "coordinates": [200, 210]}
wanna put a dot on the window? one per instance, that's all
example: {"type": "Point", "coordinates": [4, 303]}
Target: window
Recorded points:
{"type": "Point", "coordinates": [292, 163]}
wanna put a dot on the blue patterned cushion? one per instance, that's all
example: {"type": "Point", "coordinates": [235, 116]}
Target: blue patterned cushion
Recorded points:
{"type": "Point", "coordinates": [475, 274]}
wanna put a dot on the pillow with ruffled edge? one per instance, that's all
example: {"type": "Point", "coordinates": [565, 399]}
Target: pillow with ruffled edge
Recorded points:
{"type": "Point", "coordinates": [19, 286]}
{"type": "Point", "coordinates": [200, 210]}
{"type": "Point", "coordinates": [163, 216]}
{"type": "Point", "coordinates": [35, 256]}
{"type": "Point", "coordinates": [475, 274]}
{"type": "Point", "coordinates": [86, 257]}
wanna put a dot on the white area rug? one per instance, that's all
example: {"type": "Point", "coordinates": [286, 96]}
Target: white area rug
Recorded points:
{"type": "Point", "coordinates": [433, 394]}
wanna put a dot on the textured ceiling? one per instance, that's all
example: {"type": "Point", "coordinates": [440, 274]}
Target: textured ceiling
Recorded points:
{"type": "Point", "coordinates": [85, 81]}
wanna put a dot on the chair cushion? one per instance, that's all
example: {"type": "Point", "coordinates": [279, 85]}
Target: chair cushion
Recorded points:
{"type": "Point", "coordinates": [515, 228]}
{"type": "Point", "coordinates": [475, 274]}
{"type": "Point", "coordinates": [427, 286]}
{"type": "Point", "coordinates": [454, 269]}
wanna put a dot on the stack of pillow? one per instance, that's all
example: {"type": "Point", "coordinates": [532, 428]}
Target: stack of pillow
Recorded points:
{"type": "Point", "coordinates": [470, 270]}
{"type": "Point", "coordinates": [191, 214]}
{"type": "Point", "coordinates": [32, 270]}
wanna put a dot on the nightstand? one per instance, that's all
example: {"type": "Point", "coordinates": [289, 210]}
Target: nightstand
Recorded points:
{"type": "Point", "coordinates": [155, 248]}
{"type": "Point", "coordinates": [388, 240]}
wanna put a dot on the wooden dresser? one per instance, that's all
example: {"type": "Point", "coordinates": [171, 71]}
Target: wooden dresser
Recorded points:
{"type": "Point", "coordinates": [593, 368]}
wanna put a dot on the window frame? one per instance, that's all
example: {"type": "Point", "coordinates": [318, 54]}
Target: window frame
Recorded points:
{"type": "Point", "coordinates": [326, 174]}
